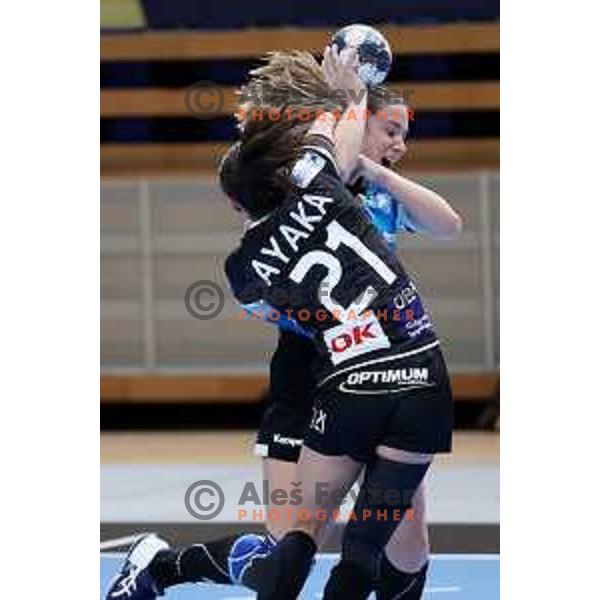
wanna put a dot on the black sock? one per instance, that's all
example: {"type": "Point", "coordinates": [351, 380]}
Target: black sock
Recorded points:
{"type": "Point", "coordinates": [189, 564]}
{"type": "Point", "coordinates": [286, 570]}
{"type": "Point", "coordinates": [395, 583]}
{"type": "Point", "coordinates": [350, 581]}
{"type": "Point", "coordinates": [253, 574]}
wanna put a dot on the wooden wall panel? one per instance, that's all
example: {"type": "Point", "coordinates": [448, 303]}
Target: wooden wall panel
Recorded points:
{"type": "Point", "coordinates": [249, 43]}
{"type": "Point", "coordinates": [244, 388]}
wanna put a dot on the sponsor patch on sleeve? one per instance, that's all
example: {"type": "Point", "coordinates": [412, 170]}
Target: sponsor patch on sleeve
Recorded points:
{"type": "Point", "coordinates": [307, 168]}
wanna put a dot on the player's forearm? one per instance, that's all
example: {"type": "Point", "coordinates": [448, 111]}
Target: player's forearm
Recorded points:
{"type": "Point", "coordinates": [427, 209]}
{"type": "Point", "coordinates": [340, 73]}
{"type": "Point", "coordinates": [348, 136]}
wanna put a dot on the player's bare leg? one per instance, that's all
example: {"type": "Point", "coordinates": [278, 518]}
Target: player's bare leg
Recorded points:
{"type": "Point", "coordinates": [408, 549]}
{"type": "Point", "coordinates": [279, 474]}
{"type": "Point", "coordinates": [323, 479]}
{"type": "Point", "coordinates": [407, 555]}
{"type": "Point", "coordinates": [362, 568]}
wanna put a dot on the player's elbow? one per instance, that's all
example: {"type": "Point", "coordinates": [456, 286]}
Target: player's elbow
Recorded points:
{"type": "Point", "coordinates": [455, 224]}
{"type": "Point", "coordinates": [450, 227]}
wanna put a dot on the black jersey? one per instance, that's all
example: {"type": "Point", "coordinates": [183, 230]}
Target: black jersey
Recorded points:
{"type": "Point", "coordinates": [319, 260]}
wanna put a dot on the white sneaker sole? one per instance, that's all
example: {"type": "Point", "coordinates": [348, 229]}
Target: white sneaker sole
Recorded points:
{"type": "Point", "coordinates": [144, 550]}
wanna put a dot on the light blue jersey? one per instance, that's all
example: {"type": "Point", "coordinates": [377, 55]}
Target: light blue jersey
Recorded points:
{"type": "Point", "coordinates": [386, 213]}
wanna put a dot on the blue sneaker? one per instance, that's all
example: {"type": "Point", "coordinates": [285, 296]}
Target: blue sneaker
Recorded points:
{"type": "Point", "coordinates": [134, 581]}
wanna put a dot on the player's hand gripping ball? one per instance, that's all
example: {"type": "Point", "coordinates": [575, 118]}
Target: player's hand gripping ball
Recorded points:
{"type": "Point", "coordinates": [374, 56]}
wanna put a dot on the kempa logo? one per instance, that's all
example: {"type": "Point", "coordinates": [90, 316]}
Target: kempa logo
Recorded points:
{"type": "Point", "coordinates": [384, 382]}
{"type": "Point", "coordinates": [287, 441]}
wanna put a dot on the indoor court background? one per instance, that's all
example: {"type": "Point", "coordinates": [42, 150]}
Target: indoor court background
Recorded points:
{"type": "Point", "coordinates": [180, 397]}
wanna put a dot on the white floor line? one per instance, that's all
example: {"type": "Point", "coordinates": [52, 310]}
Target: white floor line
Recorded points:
{"type": "Point", "coordinates": [493, 557]}
{"type": "Point", "coordinates": [125, 541]}
{"type": "Point", "coordinates": [428, 590]}
{"type": "Point", "coordinates": [118, 542]}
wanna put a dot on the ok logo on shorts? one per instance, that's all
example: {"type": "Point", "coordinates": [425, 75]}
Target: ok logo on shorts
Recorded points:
{"type": "Point", "coordinates": [355, 338]}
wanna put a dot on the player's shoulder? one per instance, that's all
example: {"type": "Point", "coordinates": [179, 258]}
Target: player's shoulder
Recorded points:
{"type": "Point", "coordinates": [252, 240]}
{"type": "Point", "coordinates": [234, 268]}
{"type": "Point", "coordinates": [241, 281]}
{"type": "Point", "coordinates": [315, 160]}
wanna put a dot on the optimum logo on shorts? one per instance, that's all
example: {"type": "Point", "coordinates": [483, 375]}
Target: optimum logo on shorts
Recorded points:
{"type": "Point", "coordinates": [387, 381]}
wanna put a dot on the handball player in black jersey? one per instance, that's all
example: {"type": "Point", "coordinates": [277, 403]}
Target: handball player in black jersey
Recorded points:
{"type": "Point", "coordinates": [383, 399]}
{"type": "Point", "coordinates": [292, 383]}
{"type": "Point", "coordinates": [288, 413]}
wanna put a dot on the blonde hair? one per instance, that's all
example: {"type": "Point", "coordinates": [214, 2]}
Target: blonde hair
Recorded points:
{"type": "Point", "coordinates": [288, 80]}
{"type": "Point", "coordinates": [294, 80]}
{"type": "Point", "coordinates": [266, 149]}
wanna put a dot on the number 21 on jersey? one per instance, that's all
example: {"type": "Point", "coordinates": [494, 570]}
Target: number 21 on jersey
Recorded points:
{"type": "Point", "coordinates": [337, 236]}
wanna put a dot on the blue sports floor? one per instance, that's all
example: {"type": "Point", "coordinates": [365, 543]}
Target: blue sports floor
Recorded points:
{"type": "Point", "coordinates": [451, 577]}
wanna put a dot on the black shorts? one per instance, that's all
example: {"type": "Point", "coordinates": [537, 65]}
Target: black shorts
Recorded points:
{"type": "Point", "coordinates": [289, 406]}
{"type": "Point", "coordinates": [402, 400]}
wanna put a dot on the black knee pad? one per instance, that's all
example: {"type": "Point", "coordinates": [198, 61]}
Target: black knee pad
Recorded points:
{"type": "Point", "coordinates": [384, 498]}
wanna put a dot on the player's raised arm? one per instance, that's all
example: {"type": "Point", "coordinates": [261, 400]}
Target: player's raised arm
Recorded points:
{"type": "Point", "coordinates": [428, 211]}
{"type": "Point", "coordinates": [346, 133]}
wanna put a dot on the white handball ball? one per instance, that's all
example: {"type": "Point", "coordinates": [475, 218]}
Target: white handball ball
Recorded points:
{"type": "Point", "coordinates": [372, 50]}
